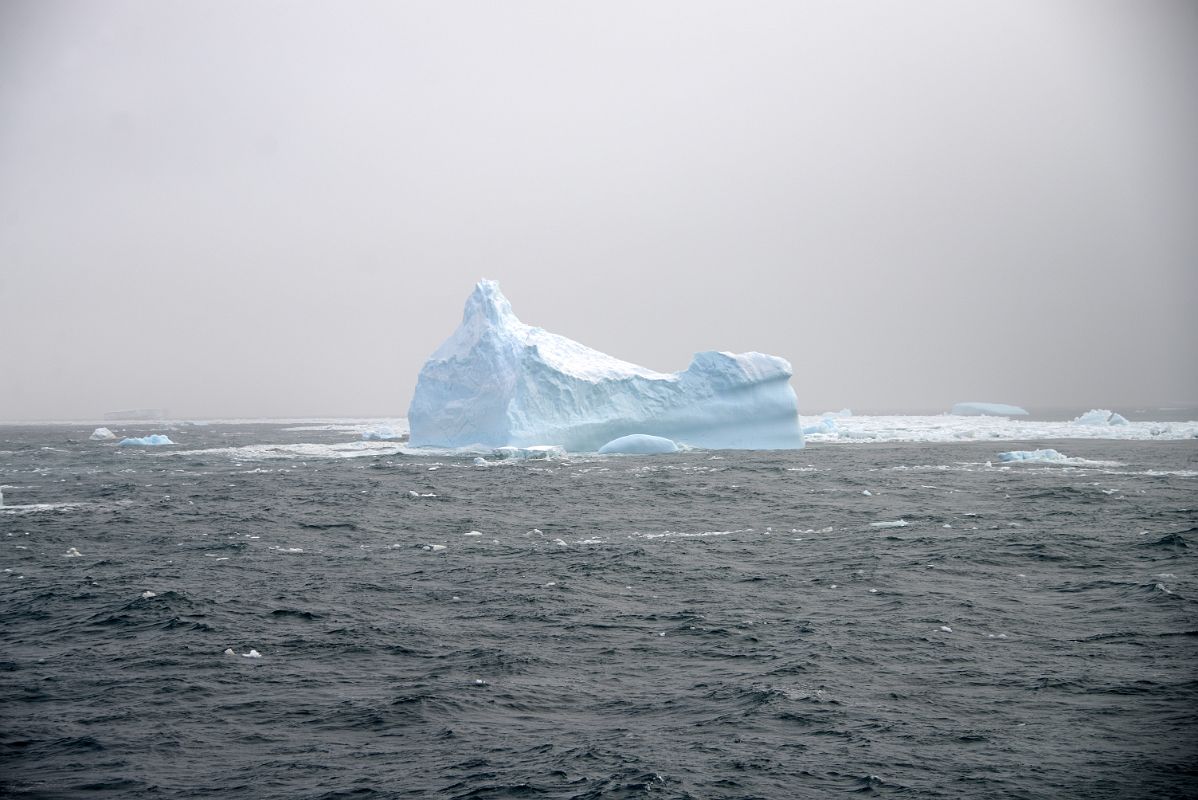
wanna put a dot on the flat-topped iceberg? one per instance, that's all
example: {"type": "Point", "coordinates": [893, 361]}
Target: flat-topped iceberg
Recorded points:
{"type": "Point", "coordinates": [499, 382]}
{"type": "Point", "coordinates": [987, 410]}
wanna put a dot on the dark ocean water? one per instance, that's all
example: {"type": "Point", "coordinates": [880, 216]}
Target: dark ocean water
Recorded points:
{"type": "Point", "coordinates": [700, 625]}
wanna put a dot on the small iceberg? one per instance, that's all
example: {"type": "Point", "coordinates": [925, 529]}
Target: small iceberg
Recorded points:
{"type": "Point", "coordinates": [101, 435]}
{"type": "Point", "coordinates": [825, 425]}
{"type": "Point", "coordinates": [987, 410]}
{"type": "Point", "coordinates": [72, 553]}
{"type": "Point", "coordinates": [1100, 417]}
{"type": "Point", "coordinates": [898, 523]}
{"type": "Point", "coordinates": [641, 444]}
{"type": "Point", "coordinates": [381, 434]}
{"type": "Point", "coordinates": [1047, 454]}
{"type": "Point", "coordinates": [153, 440]}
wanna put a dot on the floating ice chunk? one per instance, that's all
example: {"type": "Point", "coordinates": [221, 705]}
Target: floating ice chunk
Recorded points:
{"type": "Point", "coordinates": [472, 533]}
{"type": "Point", "coordinates": [560, 542]}
{"type": "Point", "coordinates": [479, 461]}
{"type": "Point", "coordinates": [72, 553]}
{"type": "Point", "coordinates": [640, 444]}
{"type": "Point", "coordinates": [946, 629]}
{"type": "Point", "coordinates": [479, 682]}
{"type": "Point", "coordinates": [433, 548]}
{"type": "Point", "coordinates": [825, 425]}
{"type": "Point", "coordinates": [229, 651]}
{"type": "Point", "coordinates": [418, 495]}
{"type": "Point", "coordinates": [101, 434]}
{"type": "Point", "coordinates": [534, 452]}
{"type": "Point", "coordinates": [1047, 454]}
{"type": "Point", "coordinates": [153, 440]}
{"type": "Point", "coordinates": [867, 493]}
{"type": "Point", "coordinates": [497, 382]}
{"type": "Point", "coordinates": [147, 594]}
{"type": "Point", "coordinates": [1101, 417]}
{"type": "Point", "coordinates": [898, 523]}
{"type": "Point", "coordinates": [381, 434]}
{"type": "Point", "coordinates": [987, 410]}
{"type": "Point", "coordinates": [252, 654]}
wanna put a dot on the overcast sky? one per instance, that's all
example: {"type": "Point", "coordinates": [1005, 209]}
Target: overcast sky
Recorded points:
{"type": "Point", "coordinates": [279, 209]}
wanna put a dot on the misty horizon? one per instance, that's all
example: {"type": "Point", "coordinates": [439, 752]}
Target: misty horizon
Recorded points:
{"type": "Point", "coordinates": [268, 211]}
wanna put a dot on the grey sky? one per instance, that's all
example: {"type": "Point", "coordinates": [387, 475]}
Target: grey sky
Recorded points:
{"type": "Point", "coordinates": [280, 208]}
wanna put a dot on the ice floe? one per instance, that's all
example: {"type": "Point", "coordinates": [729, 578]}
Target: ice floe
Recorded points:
{"type": "Point", "coordinates": [153, 440]}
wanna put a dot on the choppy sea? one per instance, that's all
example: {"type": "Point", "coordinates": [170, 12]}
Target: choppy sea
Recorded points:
{"type": "Point", "coordinates": [272, 612]}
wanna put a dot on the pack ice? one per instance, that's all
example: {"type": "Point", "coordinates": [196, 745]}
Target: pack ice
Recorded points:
{"type": "Point", "coordinates": [499, 382]}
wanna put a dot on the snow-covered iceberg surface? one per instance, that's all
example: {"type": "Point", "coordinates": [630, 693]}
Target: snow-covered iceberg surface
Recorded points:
{"type": "Point", "coordinates": [987, 410]}
{"type": "Point", "coordinates": [101, 434]}
{"type": "Point", "coordinates": [152, 440]}
{"type": "Point", "coordinates": [497, 382]}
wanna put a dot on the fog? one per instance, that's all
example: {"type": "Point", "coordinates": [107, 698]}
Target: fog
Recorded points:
{"type": "Point", "coordinates": [278, 209]}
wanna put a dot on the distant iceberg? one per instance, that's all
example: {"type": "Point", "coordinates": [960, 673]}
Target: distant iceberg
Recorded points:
{"type": "Point", "coordinates": [1100, 416]}
{"type": "Point", "coordinates": [498, 382]}
{"type": "Point", "coordinates": [101, 434]}
{"type": "Point", "coordinates": [153, 440]}
{"type": "Point", "coordinates": [987, 410]}
{"type": "Point", "coordinates": [380, 434]}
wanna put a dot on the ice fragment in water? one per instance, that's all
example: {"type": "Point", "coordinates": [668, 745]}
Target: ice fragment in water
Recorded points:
{"type": "Point", "coordinates": [153, 440]}
{"type": "Point", "coordinates": [640, 444]}
{"type": "Point", "coordinates": [1101, 417]}
{"type": "Point", "coordinates": [101, 434]}
{"type": "Point", "coordinates": [1047, 454]}
{"type": "Point", "coordinates": [72, 553]}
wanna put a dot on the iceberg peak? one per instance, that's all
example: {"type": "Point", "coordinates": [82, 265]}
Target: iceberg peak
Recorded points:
{"type": "Point", "coordinates": [487, 304]}
{"type": "Point", "coordinates": [499, 382]}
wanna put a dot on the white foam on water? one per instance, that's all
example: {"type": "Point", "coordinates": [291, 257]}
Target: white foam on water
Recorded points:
{"type": "Point", "coordinates": [304, 450]}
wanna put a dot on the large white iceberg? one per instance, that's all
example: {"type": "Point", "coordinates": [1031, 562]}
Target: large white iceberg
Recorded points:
{"type": "Point", "coordinates": [987, 410]}
{"type": "Point", "coordinates": [499, 382]}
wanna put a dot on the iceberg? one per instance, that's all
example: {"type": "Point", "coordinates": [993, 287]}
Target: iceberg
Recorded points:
{"type": "Point", "coordinates": [380, 434]}
{"type": "Point", "coordinates": [152, 440]}
{"type": "Point", "coordinates": [987, 410]}
{"type": "Point", "coordinates": [1100, 416]}
{"type": "Point", "coordinates": [498, 382]}
{"type": "Point", "coordinates": [101, 434]}
{"type": "Point", "coordinates": [640, 444]}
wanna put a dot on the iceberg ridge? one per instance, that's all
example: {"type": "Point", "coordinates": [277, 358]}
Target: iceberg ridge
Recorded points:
{"type": "Point", "coordinates": [499, 382]}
